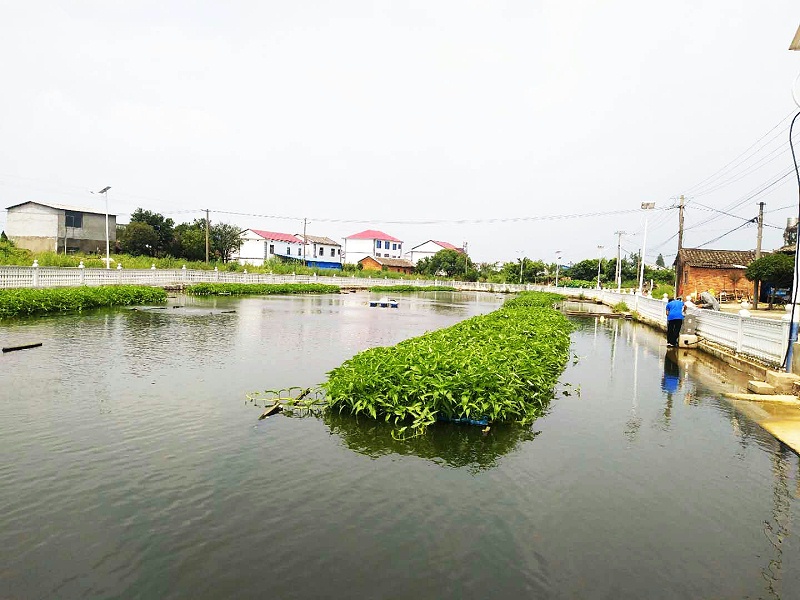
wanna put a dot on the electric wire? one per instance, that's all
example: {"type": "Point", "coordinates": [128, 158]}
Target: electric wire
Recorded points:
{"type": "Point", "coordinates": [792, 330]}
{"type": "Point", "coordinates": [720, 171]}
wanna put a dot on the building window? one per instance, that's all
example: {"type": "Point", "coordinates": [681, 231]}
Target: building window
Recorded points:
{"type": "Point", "coordinates": [686, 276]}
{"type": "Point", "coordinates": [333, 251]}
{"type": "Point", "coordinates": [272, 248]}
{"type": "Point", "coordinates": [299, 252]}
{"type": "Point", "coordinates": [386, 256]}
{"type": "Point", "coordinates": [340, 251]}
{"type": "Point", "coordinates": [73, 219]}
{"type": "Point", "coordinates": [321, 251]}
{"type": "Point", "coordinates": [288, 250]}
{"type": "Point", "coordinates": [377, 243]}
{"type": "Point", "coordinates": [394, 246]}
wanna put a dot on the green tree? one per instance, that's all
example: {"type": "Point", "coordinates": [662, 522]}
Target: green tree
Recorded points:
{"type": "Point", "coordinates": [3, 236]}
{"type": "Point", "coordinates": [776, 269]}
{"type": "Point", "coordinates": [190, 240]}
{"type": "Point", "coordinates": [449, 263]}
{"type": "Point", "coordinates": [225, 240]}
{"type": "Point", "coordinates": [164, 229]}
{"type": "Point", "coordinates": [660, 260]}
{"type": "Point", "coordinates": [138, 239]}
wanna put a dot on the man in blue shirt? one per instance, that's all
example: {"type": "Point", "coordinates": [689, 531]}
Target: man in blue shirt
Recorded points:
{"type": "Point", "coordinates": [675, 311]}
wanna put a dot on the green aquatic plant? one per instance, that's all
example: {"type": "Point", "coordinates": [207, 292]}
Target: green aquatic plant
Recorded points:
{"type": "Point", "coordinates": [30, 301]}
{"type": "Point", "coordinates": [620, 307]}
{"type": "Point", "coordinates": [499, 367]}
{"type": "Point", "coordinates": [259, 289]}
{"type": "Point", "coordinates": [411, 288]}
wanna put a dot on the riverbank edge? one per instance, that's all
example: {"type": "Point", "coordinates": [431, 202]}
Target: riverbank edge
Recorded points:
{"type": "Point", "coordinates": [785, 428]}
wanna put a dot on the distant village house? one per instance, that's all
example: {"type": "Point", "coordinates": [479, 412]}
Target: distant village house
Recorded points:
{"type": "Point", "coordinates": [45, 227]}
{"type": "Point", "coordinates": [259, 246]}
{"type": "Point", "coordinates": [373, 243]}
{"type": "Point", "coordinates": [698, 270]}
{"type": "Point", "coordinates": [378, 263]}
{"type": "Point", "coordinates": [428, 249]}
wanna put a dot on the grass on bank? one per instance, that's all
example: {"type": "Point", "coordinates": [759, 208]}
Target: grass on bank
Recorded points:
{"type": "Point", "coordinates": [33, 301]}
{"type": "Point", "coordinates": [261, 289]}
{"type": "Point", "coordinates": [501, 366]}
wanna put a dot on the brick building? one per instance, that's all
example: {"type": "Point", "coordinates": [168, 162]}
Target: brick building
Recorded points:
{"type": "Point", "coordinates": [698, 270]}
{"type": "Point", "coordinates": [377, 263]}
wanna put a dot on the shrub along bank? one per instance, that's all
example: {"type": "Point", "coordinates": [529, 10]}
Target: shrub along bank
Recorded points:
{"type": "Point", "coordinates": [30, 301]}
{"type": "Point", "coordinates": [260, 289]}
{"type": "Point", "coordinates": [501, 366]}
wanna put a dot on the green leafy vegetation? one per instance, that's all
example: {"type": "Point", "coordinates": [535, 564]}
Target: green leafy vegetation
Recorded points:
{"type": "Point", "coordinates": [259, 289]}
{"type": "Point", "coordinates": [501, 367]}
{"type": "Point", "coordinates": [620, 307]}
{"type": "Point", "coordinates": [31, 301]}
{"type": "Point", "coordinates": [411, 288]}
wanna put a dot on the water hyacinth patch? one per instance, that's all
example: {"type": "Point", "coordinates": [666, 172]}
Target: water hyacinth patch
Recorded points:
{"type": "Point", "coordinates": [259, 289]}
{"type": "Point", "coordinates": [30, 301]}
{"type": "Point", "coordinates": [501, 366]}
{"type": "Point", "coordinates": [394, 289]}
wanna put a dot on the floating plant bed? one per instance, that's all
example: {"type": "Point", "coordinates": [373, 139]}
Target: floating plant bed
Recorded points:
{"type": "Point", "coordinates": [490, 368]}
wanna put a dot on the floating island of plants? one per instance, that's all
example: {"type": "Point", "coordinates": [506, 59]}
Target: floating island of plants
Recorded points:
{"type": "Point", "coordinates": [501, 367]}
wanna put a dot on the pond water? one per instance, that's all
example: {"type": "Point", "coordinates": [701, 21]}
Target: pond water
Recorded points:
{"type": "Point", "coordinates": [134, 467]}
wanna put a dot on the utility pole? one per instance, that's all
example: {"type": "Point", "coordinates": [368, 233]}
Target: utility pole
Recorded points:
{"type": "Point", "coordinates": [680, 223]}
{"type": "Point", "coordinates": [305, 241]}
{"type": "Point", "coordinates": [645, 207]}
{"type": "Point", "coordinates": [208, 226]}
{"type": "Point", "coordinates": [618, 272]}
{"type": "Point", "coordinates": [758, 250]}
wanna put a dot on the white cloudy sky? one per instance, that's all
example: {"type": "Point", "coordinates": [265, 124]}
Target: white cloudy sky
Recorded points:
{"type": "Point", "coordinates": [430, 110]}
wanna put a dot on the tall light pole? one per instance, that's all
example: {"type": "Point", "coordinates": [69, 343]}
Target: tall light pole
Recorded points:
{"type": "Point", "coordinates": [521, 262]}
{"type": "Point", "coordinates": [104, 191]}
{"type": "Point", "coordinates": [558, 264]}
{"type": "Point", "coordinates": [645, 207]}
{"type": "Point", "coordinates": [599, 262]}
{"type": "Point", "coordinates": [618, 273]}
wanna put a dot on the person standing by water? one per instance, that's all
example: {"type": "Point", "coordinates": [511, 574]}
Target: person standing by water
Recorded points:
{"type": "Point", "coordinates": [675, 311]}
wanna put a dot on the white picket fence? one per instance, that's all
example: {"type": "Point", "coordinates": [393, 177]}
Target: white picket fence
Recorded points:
{"type": "Point", "coordinates": [763, 339]}
{"type": "Point", "coordinates": [756, 337]}
{"type": "Point", "coordinates": [48, 277]}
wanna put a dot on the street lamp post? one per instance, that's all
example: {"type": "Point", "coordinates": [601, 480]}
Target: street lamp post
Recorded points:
{"type": "Point", "coordinates": [599, 262]}
{"type": "Point", "coordinates": [645, 207]}
{"type": "Point", "coordinates": [104, 191]}
{"type": "Point", "coordinates": [558, 264]}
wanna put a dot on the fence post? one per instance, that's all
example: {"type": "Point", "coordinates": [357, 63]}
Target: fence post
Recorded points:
{"type": "Point", "coordinates": [35, 272]}
{"type": "Point", "coordinates": [82, 268]}
{"type": "Point", "coordinates": [153, 269]}
{"type": "Point", "coordinates": [183, 273]}
{"type": "Point", "coordinates": [216, 274]}
{"type": "Point", "coordinates": [119, 273]}
{"type": "Point", "coordinates": [739, 335]}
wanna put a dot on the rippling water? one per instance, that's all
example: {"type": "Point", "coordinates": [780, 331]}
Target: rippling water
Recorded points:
{"type": "Point", "coordinates": [134, 467]}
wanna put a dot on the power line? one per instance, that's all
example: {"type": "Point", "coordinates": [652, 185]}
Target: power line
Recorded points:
{"type": "Point", "coordinates": [438, 221]}
{"type": "Point", "coordinates": [720, 172]}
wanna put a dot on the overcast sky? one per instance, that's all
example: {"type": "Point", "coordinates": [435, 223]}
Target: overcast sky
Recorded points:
{"type": "Point", "coordinates": [498, 113]}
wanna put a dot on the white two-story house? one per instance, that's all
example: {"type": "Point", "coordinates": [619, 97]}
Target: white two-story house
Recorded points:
{"type": "Point", "coordinates": [322, 252]}
{"type": "Point", "coordinates": [259, 246]}
{"type": "Point", "coordinates": [372, 243]}
{"type": "Point", "coordinates": [428, 249]}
